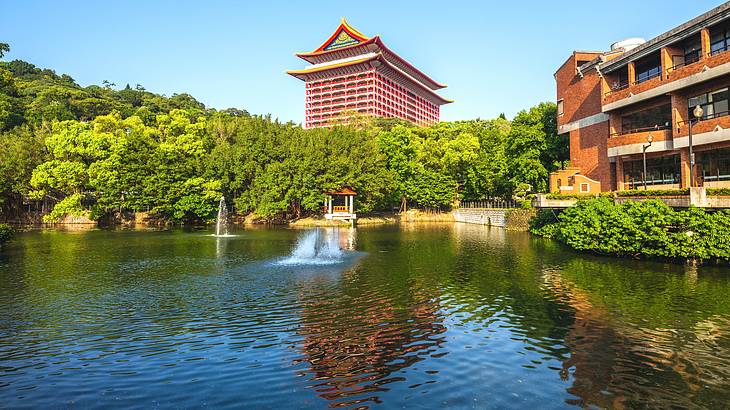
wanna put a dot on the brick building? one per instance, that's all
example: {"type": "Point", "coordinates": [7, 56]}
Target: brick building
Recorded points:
{"type": "Point", "coordinates": [355, 75]}
{"type": "Point", "coordinates": [640, 96]}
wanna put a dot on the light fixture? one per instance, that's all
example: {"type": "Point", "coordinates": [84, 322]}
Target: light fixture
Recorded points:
{"type": "Point", "coordinates": [698, 111]}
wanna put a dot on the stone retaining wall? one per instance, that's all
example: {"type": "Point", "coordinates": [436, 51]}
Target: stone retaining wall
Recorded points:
{"type": "Point", "coordinates": [515, 219]}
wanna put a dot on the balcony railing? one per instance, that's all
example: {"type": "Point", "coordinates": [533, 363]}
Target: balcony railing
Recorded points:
{"type": "Point", "coordinates": [683, 64]}
{"type": "Point", "coordinates": [490, 204]}
{"type": "Point", "coordinates": [705, 117]}
{"type": "Point", "coordinates": [616, 88]}
{"type": "Point", "coordinates": [719, 50]}
{"type": "Point", "coordinates": [642, 129]}
{"type": "Point", "coordinates": [658, 73]}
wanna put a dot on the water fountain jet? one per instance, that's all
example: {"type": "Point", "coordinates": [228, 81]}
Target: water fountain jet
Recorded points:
{"type": "Point", "coordinates": [316, 247]}
{"type": "Point", "coordinates": [221, 224]}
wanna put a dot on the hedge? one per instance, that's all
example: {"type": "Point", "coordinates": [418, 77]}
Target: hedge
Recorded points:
{"type": "Point", "coordinates": [559, 196]}
{"type": "Point", "coordinates": [654, 192]}
{"type": "Point", "coordinates": [639, 229]}
{"type": "Point", "coordinates": [718, 191]}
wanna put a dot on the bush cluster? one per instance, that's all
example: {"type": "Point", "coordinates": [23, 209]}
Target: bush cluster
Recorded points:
{"type": "Point", "coordinates": [639, 229]}
{"type": "Point", "coordinates": [654, 192]}
{"type": "Point", "coordinates": [6, 233]}
{"type": "Point", "coordinates": [718, 191]}
{"type": "Point", "coordinates": [560, 196]}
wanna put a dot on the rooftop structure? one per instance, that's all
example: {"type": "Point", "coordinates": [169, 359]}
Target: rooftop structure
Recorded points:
{"type": "Point", "coordinates": [352, 74]}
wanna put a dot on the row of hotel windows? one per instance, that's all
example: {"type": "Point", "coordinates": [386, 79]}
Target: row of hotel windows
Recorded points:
{"type": "Point", "coordinates": [317, 113]}
{"type": "Point", "coordinates": [399, 90]}
{"type": "Point", "coordinates": [713, 165]}
{"type": "Point", "coordinates": [337, 116]}
{"type": "Point", "coordinates": [395, 91]}
{"type": "Point", "coordinates": [714, 104]}
{"type": "Point", "coordinates": [383, 99]}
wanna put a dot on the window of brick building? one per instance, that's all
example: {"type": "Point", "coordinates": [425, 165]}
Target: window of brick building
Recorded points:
{"type": "Point", "coordinates": [648, 68]}
{"type": "Point", "coordinates": [714, 104]}
{"type": "Point", "coordinates": [653, 118]}
{"type": "Point", "coordinates": [660, 171]}
{"type": "Point", "coordinates": [560, 107]}
{"type": "Point", "coordinates": [692, 50]}
{"type": "Point", "coordinates": [719, 39]}
{"type": "Point", "coordinates": [714, 164]}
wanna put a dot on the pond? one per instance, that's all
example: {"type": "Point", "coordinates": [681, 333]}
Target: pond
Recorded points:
{"type": "Point", "coordinates": [416, 316]}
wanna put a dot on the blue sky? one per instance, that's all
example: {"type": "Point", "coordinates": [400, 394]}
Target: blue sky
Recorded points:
{"type": "Point", "coordinates": [495, 56]}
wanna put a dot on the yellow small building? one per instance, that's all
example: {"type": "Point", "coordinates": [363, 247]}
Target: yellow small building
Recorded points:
{"type": "Point", "coordinates": [571, 181]}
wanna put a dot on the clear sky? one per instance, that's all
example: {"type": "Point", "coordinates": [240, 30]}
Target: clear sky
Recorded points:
{"type": "Point", "coordinates": [496, 56]}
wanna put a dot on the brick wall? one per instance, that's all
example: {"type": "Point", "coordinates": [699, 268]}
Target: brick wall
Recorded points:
{"type": "Point", "coordinates": [589, 153]}
{"type": "Point", "coordinates": [581, 96]}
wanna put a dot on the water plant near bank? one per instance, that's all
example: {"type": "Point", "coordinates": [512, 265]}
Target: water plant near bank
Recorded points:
{"type": "Point", "coordinates": [6, 233]}
{"type": "Point", "coordinates": [639, 229]}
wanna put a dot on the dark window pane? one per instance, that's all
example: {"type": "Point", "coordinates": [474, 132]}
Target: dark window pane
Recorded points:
{"type": "Point", "coordinates": [656, 117]}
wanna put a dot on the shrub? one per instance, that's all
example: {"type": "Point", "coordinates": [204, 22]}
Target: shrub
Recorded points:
{"type": "Point", "coordinates": [718, 191]}
{"type": "Point", "coordinates": [640, 229]}
{"type": "Point", "coordinates": [654, 192]}
{"type": "Point", "coordinates": [525, 203]}
{"type": "Point", "coordinates": [71, 205]}
{"type": "Point", "coordinates": [544, 223]}
{"type": "Point", "coordinates": [559, 196]}
{"type": "Point", "coordinates": [6, 233]}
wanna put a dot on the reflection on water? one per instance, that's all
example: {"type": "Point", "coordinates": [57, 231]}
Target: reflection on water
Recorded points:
{"type": "Point", "coordinates": [422, 316]}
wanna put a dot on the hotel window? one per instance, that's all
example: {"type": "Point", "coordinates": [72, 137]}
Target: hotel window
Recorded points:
{"type": "Point", "coordinates": [714, 104]}
{"type": "Point", "coordinates": [714, 165]}
{"type": "Point", "coordinates": [660, 171]}
{"type": "Point", "coordinates": [560, 107]}
{"type": "Point", "coordinates": [719, 39]}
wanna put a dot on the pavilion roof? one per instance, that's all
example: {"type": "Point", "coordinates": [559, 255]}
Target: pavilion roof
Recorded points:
{"type": "Point", "coordinates": [343, 191]}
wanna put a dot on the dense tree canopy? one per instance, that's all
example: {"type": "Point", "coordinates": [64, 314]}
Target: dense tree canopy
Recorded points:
{"type": "Point", "coordinates": [97, 150]}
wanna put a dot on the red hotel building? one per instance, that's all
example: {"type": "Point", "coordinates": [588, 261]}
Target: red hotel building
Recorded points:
{"type": "Point", "coordinates": [641, 97]}
{"type": "Point", "coordinates": [353, 75]}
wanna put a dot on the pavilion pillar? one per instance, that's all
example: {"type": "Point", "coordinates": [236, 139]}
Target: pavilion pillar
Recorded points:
{"type": "Point", "coordinates": [329, 204]}
{"type": "Point", "coordinates": [352, 204]}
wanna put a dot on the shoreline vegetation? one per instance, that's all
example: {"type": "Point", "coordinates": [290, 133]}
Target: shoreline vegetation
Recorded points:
{"type": "Point", "coordinates": [106, 154]}
{"type": "Point", "coordinates": [641, 229]}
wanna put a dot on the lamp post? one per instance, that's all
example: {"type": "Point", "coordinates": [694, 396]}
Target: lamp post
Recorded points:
{"type": "Point", "coordinates": [698, 111]}
{"type": "Point", "coordinates": [644, 147]}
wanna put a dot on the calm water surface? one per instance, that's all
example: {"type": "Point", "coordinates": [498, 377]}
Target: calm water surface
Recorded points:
{"type": "Point", "coordinates": [420, 316]}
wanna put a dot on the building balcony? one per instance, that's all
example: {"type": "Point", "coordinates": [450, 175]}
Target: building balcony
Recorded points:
{"type": "Point", "coordinates": [672, 79]}
{"type": "Point", "coordinates": [632, 142]}
{"type": "Point", "coordinates": [622, 91]}
{"type": "Point", "coordinates": [709, 130]}
{"type": "Point", "coordinates": [711, 60]}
